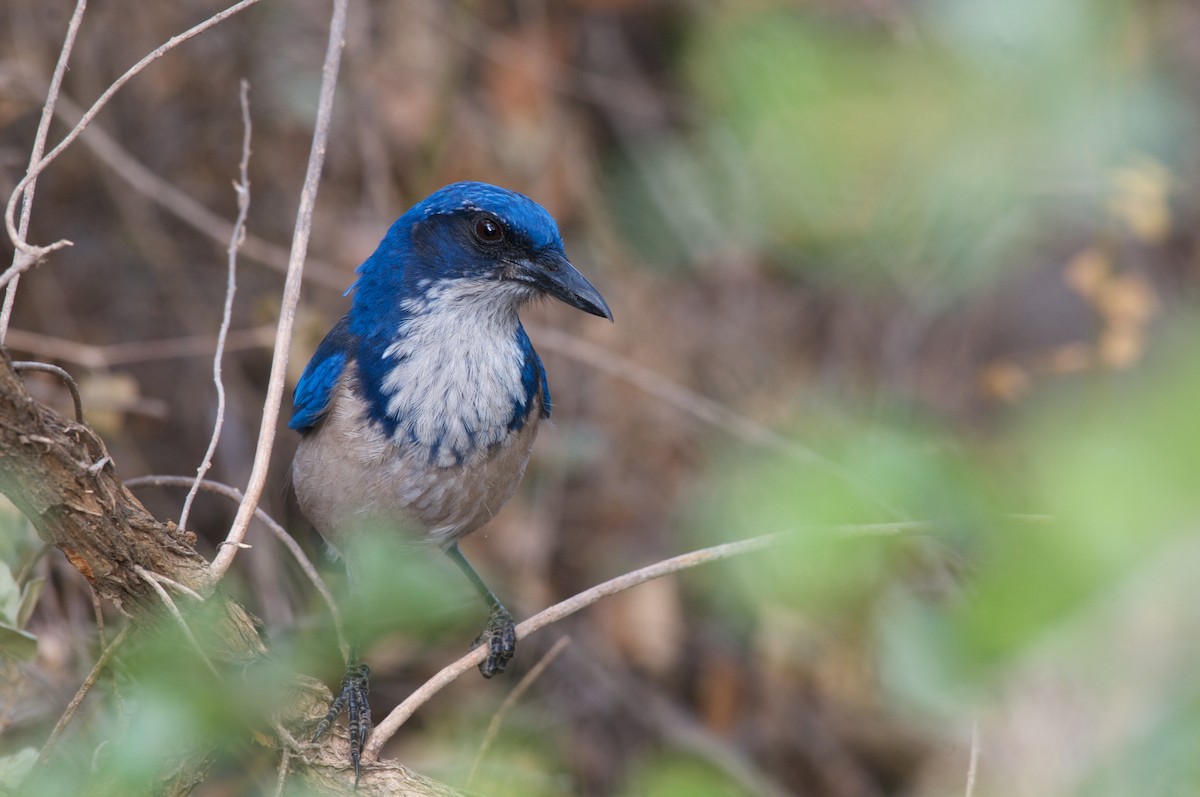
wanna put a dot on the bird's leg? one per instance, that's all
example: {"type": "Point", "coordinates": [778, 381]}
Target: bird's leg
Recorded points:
{"type": "Point", "coordinates": [353, 700]}
{"type": "Point", "coordinates": [500, 633]}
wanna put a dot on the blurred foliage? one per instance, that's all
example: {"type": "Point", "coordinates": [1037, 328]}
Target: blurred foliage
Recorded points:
{"type": "Point", "coordinates": [924, 156]}
{"type": "Point", "coordinates": [1089, 505]}
{"type": "Point", "coordinates": [935, 261]}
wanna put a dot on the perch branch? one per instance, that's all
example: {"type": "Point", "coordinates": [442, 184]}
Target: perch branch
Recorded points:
{"type": "Point", "coordinates": [392, 722]}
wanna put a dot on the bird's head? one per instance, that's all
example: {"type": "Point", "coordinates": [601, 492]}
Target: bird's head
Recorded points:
{"type": "Point", "coordinates": [481, 239]}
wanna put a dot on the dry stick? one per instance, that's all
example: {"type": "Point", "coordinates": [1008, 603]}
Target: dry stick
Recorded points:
{"type": "Point", "coordinates": [136, 351]}
{"type": "Point", "coordinates": [185, 207]}
{"type": "Point", "coordinates": [235, 495]}
{"type": "Point", "coordinates": [291, 296]}
{"type": "Point", "coordinates": [84, 688]}
{"type": "Point", "coordinates": [518, 691]}
{"type": "Point", "coordinates": [285, 764]}
{"type": "Point", "coordinates": [170, 582]}
{"type": "Point", "coordinates": [30, 254]}
{"type": "Point", "coordinates": [174, 610]}
{"type": "Point", "coordinates": [98, 611]}
{"type": "Point", "coordinates": [392, 722]}
{"type": "Point", "coordinates": [67, 379]}
{"type": "Point", "coordinates": [973, 761]}
{"type": "Point", "coordinates": [242, 189]}
{"type": "Point", "coordinates": [35, 155]}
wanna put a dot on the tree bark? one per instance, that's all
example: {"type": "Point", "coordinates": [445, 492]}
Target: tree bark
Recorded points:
{"type": "Point", "coordinates": [58, 474]}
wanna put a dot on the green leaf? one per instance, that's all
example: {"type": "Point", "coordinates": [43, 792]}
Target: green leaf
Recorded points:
{"type": "Point", "coordinates": [17, 644]}
{"type": "Point", "coordinates": [10, 596]}
{"type": "Point", "coordinates": [14, 768]}
{"type": "Point", "coordinates": [29, 599]}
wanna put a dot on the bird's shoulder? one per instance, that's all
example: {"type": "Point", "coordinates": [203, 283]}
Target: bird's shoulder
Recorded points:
{"type": "Point", "coordinates": [314, 391]}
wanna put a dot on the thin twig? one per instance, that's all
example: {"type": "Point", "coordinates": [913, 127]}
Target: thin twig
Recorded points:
{"type": "Point", "coordinates": [180, 204]}
{"type": "Point", "coordinates": [67, 379]}
{"type": "Point", "coordinates": [112, 354]}
{"type": "Point", "coordinates": [285, 764]}
{"type": "Point", "coordinates": [170, 582]}
{"type": "Point", "coordinates": [98, 612]}
{"type": "Point", "coordinates": [35, 155]}
{"type": "Point", "coordinates": [84, 688]}
{"type": "Point", "coordinates": [174, 610]}
{"type": "Point", "coordinates": [291, 295]}
{"type": "Point", "coordinates": [187, 209]}
{"type": "Point", "coordinates": [306, 565]}
{"type": "Point", "coordinates": [392, 722]}
{"type": "Point", "coordinates": [973, 761]}
{"type": "Point", "coordinates": [242, 189]}
{"type": "Point", "coordinates": [518, 691]}
{"type": "Point", "coordinates": [27, 255]}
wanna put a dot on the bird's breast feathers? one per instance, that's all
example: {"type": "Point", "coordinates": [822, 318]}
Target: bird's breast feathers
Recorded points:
{"type": "Point", "coordinates": [435, 428]}
{"type": "Point", "coordinates": [351, 475]}
{"type": "Point", "coordinates": [459, 377]}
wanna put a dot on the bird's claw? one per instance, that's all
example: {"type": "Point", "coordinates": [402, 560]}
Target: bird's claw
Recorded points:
{"type": "Point", "coordinates": [500, 636]}
{"type": "Point", "coordinates": [353, 700]}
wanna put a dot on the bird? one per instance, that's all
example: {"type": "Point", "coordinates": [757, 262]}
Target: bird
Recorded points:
{"type": "Point", "coordinates": [418, 410]}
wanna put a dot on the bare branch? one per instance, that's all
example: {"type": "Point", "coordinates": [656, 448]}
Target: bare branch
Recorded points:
{"type": "Point", "coordinates": [84, 688]}
{"type": "Point", "coordinates": [242, 189]}
{"type": "Point", "coordinates": [285, 765]}
{"type": "Point", "coordinates": [291, 294]}
{"type": "Point", "coordinates": [169, 602]}
{"type": "Point", "coordinates": [973, 761]}
{"type": "Point", "coordinates": [178, 203]}
{"type": "Point", "coordinates": [35, 155]}
{"type": "Point", "coordinates": [170, 582]}
{"type": "Point", "coordinates": [27, 255]}
{"type": "Point", "coordinates": [392, 722]}
{"type": "Point", "coordinates": [136, 351]}
{"type": "Point", "coordinates": [67, 379]}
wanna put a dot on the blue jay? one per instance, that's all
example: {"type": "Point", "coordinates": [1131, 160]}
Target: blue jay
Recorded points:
{"type": "Point", "coordinates": [418, 410]}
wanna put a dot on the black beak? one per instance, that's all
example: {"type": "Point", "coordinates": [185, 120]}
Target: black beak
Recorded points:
{"type": "Point", "coordinates": [551, 273]}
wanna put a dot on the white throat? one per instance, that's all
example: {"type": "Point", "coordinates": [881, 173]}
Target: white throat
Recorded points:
{"type": "Point", "coordinates": [456, 378]}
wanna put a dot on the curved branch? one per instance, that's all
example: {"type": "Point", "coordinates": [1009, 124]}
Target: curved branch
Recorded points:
{"type": "Point", "coordinates": [35, 169]}
{"type": "Point", "coordinates": [39, 146]}
{"type": "Point", "coordinates": [392, 722]}
{"type": "Point", "coordinates": [242, 189]}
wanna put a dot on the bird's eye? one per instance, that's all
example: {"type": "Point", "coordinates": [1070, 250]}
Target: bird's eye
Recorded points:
{"type": "Point", "coordinates": [488, 230]}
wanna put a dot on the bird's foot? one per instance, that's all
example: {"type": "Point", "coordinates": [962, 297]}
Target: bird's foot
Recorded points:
{"type": "Point", "coordinates": [500, 637]}
{"type": "Point", "coordinates": [353, 700]}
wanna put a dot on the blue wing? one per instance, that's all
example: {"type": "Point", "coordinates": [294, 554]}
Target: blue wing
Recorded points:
{"type": "Point", "coordinates": [310, 401]}
{"type": "Point", "coordinates": [545, 386]}
{"type": "Point", "coordinates": [533, 378]}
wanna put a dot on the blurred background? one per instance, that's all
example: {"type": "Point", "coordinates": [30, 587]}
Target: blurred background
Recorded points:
{"type": "Point", "coordinates": [911, 284]}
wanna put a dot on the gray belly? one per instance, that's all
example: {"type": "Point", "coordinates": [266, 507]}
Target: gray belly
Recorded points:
{"type": "Point", "coordinates": [350, 478]}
